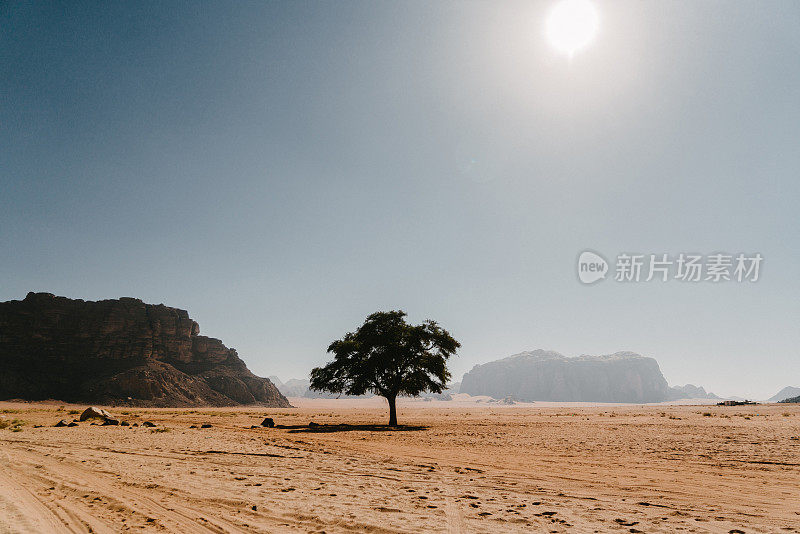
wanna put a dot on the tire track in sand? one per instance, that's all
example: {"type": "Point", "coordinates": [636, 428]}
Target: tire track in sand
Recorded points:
{"type": "Point", "coordinates": [21, 511]}
{"type": "Point", "coordinates": [74, 517]}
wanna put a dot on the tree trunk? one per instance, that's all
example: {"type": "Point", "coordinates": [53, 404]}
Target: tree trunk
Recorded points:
{"type": "Point", "coordinates": [392, 411]}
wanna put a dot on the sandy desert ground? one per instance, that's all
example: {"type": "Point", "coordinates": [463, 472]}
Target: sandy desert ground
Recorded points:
{"type": "Point", "coordinates": [458, 467]}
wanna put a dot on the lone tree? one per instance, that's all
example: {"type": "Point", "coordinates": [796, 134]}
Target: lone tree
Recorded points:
{"type": "Point", "coordinates": [388, 357]}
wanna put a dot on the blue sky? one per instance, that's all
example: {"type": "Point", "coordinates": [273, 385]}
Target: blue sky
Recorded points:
{"type": "Point", "coordinates": [283, 169]}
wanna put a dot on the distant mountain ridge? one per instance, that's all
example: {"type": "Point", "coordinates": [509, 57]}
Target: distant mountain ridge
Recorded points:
{"type": "Point", "coordinates": [785, 393]}
{"type": "Point", "coordinates": [299, 387]}
{"type": "Point", "coordinates": [543, 375]}
{"type": "Point", "coordinates": [294, 387]}
{"type": "Point", "coordinates": [690, 391]}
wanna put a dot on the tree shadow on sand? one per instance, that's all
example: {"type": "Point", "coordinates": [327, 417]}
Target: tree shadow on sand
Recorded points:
{"type": "Point", "coordinates": [316, 428]}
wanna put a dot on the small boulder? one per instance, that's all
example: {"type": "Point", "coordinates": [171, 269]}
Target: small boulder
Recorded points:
{"type": "Point", "coordinates": [111, 422]}
{"type": "Point", "coordinates": [73, 423]}
{"type": "Point", "coordinates": [61, 423]}
{"type": "Point", "coordinates": [205, 425]}
{"type": "Point", "coordinates": [95, 413]}
{"type": "Point", "coordinates": [135, 424]}
{"type": "Point", "coordinates": [124, 423]}
{"type": "Point", "coordinates": [312, 424]}
{"type": "Point", "coordinates": [149, 424]}
{"type": "Point", "coordinates": [268, 422]}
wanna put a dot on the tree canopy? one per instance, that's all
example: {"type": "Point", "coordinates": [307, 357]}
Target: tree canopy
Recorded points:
{"type": "Point", "coordinates": [388, 357]}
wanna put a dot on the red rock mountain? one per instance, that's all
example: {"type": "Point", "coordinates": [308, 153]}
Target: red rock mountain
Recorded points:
{"type": "Point", "coordinates": [119, 352]}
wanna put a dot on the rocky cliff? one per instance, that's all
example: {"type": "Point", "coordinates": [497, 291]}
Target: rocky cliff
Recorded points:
{"type": "Point", "coordinates": [548, 376]}
{"type": "Point", "coordinates": [119, 352]}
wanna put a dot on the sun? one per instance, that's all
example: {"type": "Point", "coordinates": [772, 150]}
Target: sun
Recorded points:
{"type": "Point", "coordinates": [572, 25]}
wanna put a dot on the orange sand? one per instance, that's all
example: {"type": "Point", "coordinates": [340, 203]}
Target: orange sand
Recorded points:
{"type": "Point", "coordinates": [473, 467]}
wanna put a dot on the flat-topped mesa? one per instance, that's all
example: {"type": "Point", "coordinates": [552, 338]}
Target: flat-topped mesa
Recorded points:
{"type": "Point", "coordinates": [119, 351]}
{"type": "Point", "coordinates": [549, 376]}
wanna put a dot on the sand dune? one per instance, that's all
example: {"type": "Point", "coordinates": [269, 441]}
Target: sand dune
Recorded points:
{"type": "Point", "coordinates": [460, 468]}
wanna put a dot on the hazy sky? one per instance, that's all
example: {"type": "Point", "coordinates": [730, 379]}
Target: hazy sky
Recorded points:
{"type": "Point", "coordinates": [283, 169]}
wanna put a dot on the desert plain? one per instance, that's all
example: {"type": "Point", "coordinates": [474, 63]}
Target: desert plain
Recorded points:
{"type": "Point", "coordinates": [454, 467]}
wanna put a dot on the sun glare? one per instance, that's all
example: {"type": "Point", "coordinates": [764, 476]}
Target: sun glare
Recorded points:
{"type": "Point", "coordinates": [572, 25]}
